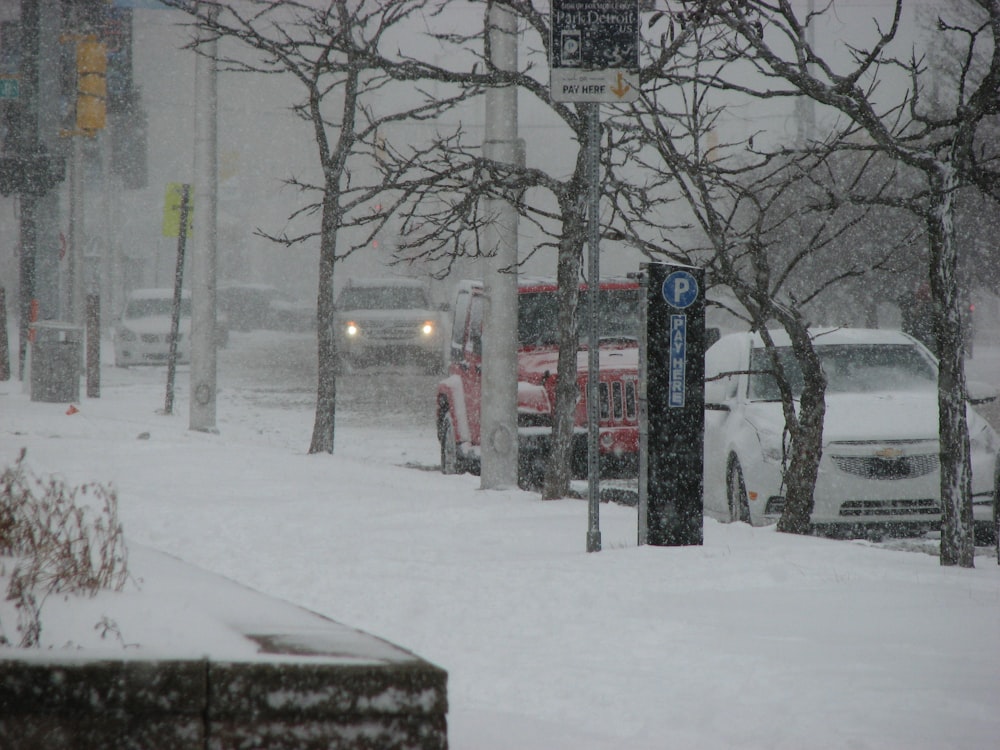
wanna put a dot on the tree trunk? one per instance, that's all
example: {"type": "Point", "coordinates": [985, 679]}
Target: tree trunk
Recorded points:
{"type": "Point", "coordinates": [957, 545]}
{"type": "Point", "coordinates": [807, 436]}
{"type": "Point", "coordinates": [559, 465]}
{"type": "Point", "coordinates": [326, 339]}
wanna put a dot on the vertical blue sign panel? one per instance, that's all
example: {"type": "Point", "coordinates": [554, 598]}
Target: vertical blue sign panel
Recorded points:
{"type": "Point", "coordinates": [678, 361]}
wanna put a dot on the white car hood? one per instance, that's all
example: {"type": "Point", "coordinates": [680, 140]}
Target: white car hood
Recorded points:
{"type": "Point", "coordinates": [157, 324]}
{"type": "Point", "coordinates": [871, 416]}
{"type": "Point", "coordinates": [387, 316]}
{"type": "Point", "coordinates": [907, 415]}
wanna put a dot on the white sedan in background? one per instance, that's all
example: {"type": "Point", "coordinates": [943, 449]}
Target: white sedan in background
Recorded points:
{"type": "Point", "coordinates": [880, 468]}
{"type": "Point", "coordinates": [142, 336]}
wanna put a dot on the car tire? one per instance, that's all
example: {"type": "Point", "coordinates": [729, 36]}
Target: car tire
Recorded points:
{"type": "Point", "coordinates": [736, 493]}
{"type": "Point", "coordinates": [450, 462]}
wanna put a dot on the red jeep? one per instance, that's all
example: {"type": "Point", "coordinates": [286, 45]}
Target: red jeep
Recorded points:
{"type": "Point", "coordinates": [458, 395]}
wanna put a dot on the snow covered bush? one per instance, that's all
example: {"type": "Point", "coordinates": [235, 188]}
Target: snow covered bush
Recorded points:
{"type": "Point", "coordinates": [55, 544]}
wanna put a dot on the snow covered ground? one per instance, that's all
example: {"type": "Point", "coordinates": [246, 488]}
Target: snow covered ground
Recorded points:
{"type": "Point", "coordinates": [754, 640]}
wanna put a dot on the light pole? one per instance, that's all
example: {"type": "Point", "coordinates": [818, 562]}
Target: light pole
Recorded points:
{"type": "Point", "coordinates": [499, 384]}
{"type": "Point", "coordinates": [203, 255]}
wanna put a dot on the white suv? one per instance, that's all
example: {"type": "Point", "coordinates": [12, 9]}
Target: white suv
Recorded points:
{"type": "Point", "coordinates": [388, 320]}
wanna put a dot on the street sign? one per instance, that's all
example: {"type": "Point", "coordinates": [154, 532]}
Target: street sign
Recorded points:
{"type": "Point", "coordinates": [10, 88]}
{"type": "Point", "coordinates": [594, 51]}
{"type": "Point", "coordinates": [173, 207]}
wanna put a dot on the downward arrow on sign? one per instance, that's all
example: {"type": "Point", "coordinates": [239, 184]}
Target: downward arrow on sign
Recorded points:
{"type": "Point", "coordinates": [621, 87]}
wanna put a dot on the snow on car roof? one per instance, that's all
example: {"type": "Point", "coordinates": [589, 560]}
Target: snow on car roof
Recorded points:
{"type": "Point", "coordinates": [159, 293]}
{"type": "Point", "coordinates": [833, 335]}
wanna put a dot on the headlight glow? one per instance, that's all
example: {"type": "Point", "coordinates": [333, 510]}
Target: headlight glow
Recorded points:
{"type": "Point", "coordinates": [351, 329]}
{"type": "Point", "coordinates": [427, 328]}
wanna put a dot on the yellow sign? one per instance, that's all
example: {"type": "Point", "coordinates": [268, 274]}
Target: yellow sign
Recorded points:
{"type": "Point", "coordinates": [91, 85]}
{"type": "Point", "coordinates": [172, 208]}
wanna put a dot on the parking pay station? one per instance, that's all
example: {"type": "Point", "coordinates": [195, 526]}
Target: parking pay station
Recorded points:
{"type": "Point", "coordinates": [672, 405]}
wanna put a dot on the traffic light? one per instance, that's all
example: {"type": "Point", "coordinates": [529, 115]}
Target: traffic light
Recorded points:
{"type": "Point", "coordinates": [91, 84]}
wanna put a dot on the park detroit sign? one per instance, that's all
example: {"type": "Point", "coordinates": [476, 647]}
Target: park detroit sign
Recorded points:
{"type": "Point", "coordinates": [594, 50]}
{"type": "Point", "coordinates": [605, 14]}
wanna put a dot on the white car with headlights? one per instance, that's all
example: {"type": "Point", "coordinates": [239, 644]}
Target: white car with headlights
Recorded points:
{"type": "Point", "coordinates": [142, 335]}
{"type": "Point", "coordinates": [390, 321]}
{"type": "Point", "coordinates": [880, 468]}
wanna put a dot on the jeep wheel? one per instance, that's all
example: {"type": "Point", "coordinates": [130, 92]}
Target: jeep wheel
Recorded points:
{"type": "Point", "coordinates": [449, 448]}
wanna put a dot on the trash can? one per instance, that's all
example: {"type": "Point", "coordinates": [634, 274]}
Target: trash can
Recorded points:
{"type": "Point", "coordinates": [56, 351]}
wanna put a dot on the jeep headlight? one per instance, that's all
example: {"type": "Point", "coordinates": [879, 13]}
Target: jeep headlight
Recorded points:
{"type": "Point", "coordinates": [532, 403]}
{"type": "Point", "coordinates": [427, 329]}
{"type": "Point", "coordinates": [351, 329]}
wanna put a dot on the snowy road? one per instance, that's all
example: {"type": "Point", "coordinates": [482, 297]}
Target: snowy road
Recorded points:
{"type": "Point", "coordinates": [267, 379]}
{"type": "Point", "coordinates": [279, 370]}
{"type": "Point", "coordinates": [755, 640]}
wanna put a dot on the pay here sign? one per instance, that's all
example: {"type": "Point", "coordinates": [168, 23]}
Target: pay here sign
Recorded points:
{"type": "Point", "coordinates": [594, 50]}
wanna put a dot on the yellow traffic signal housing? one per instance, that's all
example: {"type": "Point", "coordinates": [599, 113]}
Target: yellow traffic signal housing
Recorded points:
{"type": "Point", "coordinates": [91, 84]}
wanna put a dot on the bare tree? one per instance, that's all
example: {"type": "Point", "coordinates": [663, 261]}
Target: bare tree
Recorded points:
{"type": "Point", "coordinates": [336, 53]}
{"type": "Point", "coordinates": [448, 228]}
{"type": "Point", "coordinates": [443, 219]}
{"type": "Point", "coordinates": [760, 226]}
{"type": "Point", "coordinates": [943, 147]}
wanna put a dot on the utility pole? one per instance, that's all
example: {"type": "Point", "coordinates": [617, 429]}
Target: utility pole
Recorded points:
{"type": "Point", "coordinates": [39, 155]}
{"type": "Point", "coordinates": [593, 115]}
{"type": "Point", "coordinates": [203, 257]}
{"type": "Point", "coordinates": [499, 385]}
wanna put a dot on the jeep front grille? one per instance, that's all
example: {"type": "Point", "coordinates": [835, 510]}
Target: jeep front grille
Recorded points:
{"type": "Point", "coordinates": [618, 401]}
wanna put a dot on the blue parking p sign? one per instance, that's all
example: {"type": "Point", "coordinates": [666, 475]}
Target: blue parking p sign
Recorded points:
{"type": "Point", "coordinates": [680, 289]}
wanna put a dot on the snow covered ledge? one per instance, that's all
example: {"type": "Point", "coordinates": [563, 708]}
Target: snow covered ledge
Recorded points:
{"type": "Point", "coordinates": [201, 662]}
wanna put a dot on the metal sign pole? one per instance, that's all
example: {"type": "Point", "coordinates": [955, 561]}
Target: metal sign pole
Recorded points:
{"type": "Point", "coordinates": [593, 332]}
{"type": "Point", "coordinates": [594, 58]}
{"type": "Point", "coordinates": [168, 402]}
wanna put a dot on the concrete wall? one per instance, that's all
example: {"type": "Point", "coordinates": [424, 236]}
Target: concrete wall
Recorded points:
{"type": "Point", "coordinates": [72, 703]}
